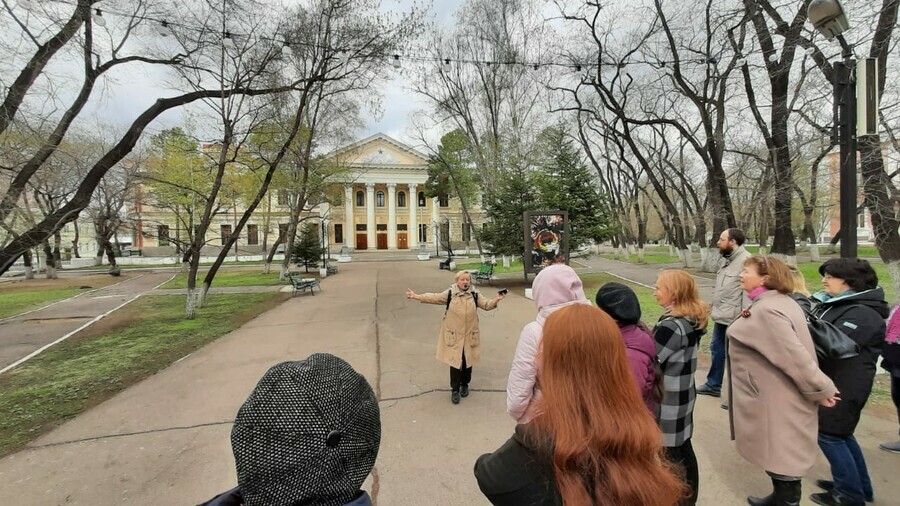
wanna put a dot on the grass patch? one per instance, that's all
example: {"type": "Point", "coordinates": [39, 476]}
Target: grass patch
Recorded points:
{"type": "Point", "coordinates": [514, 266]}
{"type": "Point", "coordinates": [27, 294]}
{"type": "Point", "coordinates": [649, 258]}
{"type": "Point", "coordinates": [650, 309]}
{"type": "Point", "coordinates": [232, 277]}
{"type": "Point", "coordinates": [146, 337]}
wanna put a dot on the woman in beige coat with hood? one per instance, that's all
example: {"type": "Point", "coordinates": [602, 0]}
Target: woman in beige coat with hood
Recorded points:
{"type": "Point", "coordinates": [459, 339]}
{"type": "Point", "coordinates": [776, 383]}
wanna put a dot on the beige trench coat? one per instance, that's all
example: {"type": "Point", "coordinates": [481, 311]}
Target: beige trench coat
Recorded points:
{"type": "Point", "coordinates": [775, 386]}
{"type": "Point", "coordinates": [459, 326]}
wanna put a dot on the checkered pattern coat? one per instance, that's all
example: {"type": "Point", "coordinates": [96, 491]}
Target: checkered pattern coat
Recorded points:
{"type": "Point", "coordinates": [676, 341]}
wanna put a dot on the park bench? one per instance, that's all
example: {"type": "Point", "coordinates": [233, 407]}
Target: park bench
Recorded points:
{"type": "Point", "coordinates": [484, 273]}
{"type": "Point", "coordinates": [301, 284]}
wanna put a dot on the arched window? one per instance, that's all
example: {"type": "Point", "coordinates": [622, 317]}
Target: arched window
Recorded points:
{"type": "Point", "coordinates": [421, 199]}
{"type": "Point", "coordinates": [401, 199]}
{"type": "Point", "coordinates": [379, 199]}
{"type": "Point", "coordinates": [360, 199]}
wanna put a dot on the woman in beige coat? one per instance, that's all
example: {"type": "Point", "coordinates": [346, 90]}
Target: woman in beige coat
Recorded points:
{"type": "Point", "coordinates": [776, 383]}
{"type": "Point", "coordinates": [459, 339]}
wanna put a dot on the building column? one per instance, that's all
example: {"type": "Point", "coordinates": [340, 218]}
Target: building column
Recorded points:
{"type": "Point", "coordinates": [370, 216]}
{"type": "Point", "coordinates": [349, 226]}
{"type": "Point", "coordinates": [435, 223]}
{"type": "Point", "coordinates": [412, 200]}
{"type": "Point", "coordinates": [392, 215]}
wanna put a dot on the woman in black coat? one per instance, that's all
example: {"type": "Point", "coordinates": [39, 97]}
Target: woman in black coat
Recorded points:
{"type": "Point", "coordinates": [853, 302]}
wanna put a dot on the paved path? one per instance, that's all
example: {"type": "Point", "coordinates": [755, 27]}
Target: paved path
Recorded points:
{"type": "Point", "coordinates": [166, 439]}
{"type": "Point", "coordinates": [24, 334]}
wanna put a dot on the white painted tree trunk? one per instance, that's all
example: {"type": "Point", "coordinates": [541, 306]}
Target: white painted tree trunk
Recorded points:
{"type": "Point", "coordinates": [709, 259]}
{"type": "Point", "coordinates": [267, 267]}
{"type": "Point", "coordinates": [814, 253]}
{"type": "Point", "coordinates": [185, 267]}
{"type": "Point", "coordinates": [762, 250]}
{"type": "Point", "coordinates": [29, 272]}
{"type": "Point", "coordinates": [893, 269]}
{"type": "Point", "coordinates": [671, 250]}
{"type": "Point", "coordinates": [631, 249]}
{"type": "Point", "coordinates": [201, 297]}
{"type": "Point", "coordinates": [640, 254]}
{"type": "Point", "coordinates": [190, 311]}
{"type": "Point", "coordinates": [51, 271]}
{"type": "Point", "coordinates": [686, 258]}
{"type": "Point", "coordinates": [505, 261]}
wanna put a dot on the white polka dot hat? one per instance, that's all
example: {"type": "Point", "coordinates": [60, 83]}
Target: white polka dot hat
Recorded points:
{"type": "Point", "coordinates": [308, 434]}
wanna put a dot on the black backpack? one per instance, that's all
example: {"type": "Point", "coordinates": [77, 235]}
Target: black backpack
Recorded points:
{"type": "Point", "coordinates": [450, 296]}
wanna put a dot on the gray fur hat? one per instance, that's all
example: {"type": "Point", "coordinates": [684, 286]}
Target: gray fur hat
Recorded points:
{"type": "Point", "coordinates": [308, 434]}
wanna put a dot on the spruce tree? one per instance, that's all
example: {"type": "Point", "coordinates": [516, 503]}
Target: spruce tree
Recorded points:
{"type": "Point", "coordinates": [308, 250]}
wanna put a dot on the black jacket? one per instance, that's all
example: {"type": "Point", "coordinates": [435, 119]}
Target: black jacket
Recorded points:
{"type": "Point", "coordinates": [861, 316]}
{"type": "Point", "coordinates": [515, 475]}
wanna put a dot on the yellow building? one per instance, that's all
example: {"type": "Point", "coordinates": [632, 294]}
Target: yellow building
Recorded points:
{"type": "Point", "coordinates": [380, 205]}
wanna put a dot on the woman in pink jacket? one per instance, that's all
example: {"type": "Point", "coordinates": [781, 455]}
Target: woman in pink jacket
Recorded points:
{"type": "Point", "coordinates": [555, 287]}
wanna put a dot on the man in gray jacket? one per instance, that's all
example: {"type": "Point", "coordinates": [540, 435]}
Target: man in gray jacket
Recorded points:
{"type": "Point", "coordinates": [728, 301]}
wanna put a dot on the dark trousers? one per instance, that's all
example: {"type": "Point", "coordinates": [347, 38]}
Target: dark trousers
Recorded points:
{"type": "Point", "coordinates": [461, 376]}
{"type": "Point", "coordinates": [895, 391]}
{"type": "Point", "coordinates": [848, 467]}
{"type": "Point", "coordinates": [683, 456]}
{"type": "Point", "coordinates": [717, 351]}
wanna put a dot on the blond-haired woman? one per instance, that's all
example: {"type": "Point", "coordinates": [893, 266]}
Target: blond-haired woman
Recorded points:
{"type": "Point", "coordinates": [676, 335]}
{"type": "Point", "coordinates": [776, 384]}
{"type": "Point", "coordinates": [459, 339]}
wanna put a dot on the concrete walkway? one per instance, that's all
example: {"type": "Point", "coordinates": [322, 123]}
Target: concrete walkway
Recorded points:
{"type": "Point", "coordinates": [166, 439]}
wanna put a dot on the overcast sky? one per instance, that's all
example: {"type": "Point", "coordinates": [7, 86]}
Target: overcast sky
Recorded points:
{"type": "Point", "coordinates": [127, 94]}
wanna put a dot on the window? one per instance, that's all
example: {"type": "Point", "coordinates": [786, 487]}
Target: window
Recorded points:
{"type": "Point", "coordinates": [401, 199]}
{"type": "Point", "coordinates": [466, 232]}
{"type": "Point", "coordinates": [360, 199]}
{"type": "Point", "coordinates": [381, 227]}
{"type": "Point", "coordinates": [444, 200]}
{"type": "Point", "coordinates": [162, 233]}
{"type": "Point", "coordinates": [252, 235]}
{"type": "Point", "coordinates": [401, 227]}
{"type": "Point", "coordinates": [445, 231]}
{"type": "Point", "coordinates": [282, 197]}
{"type": "Point", "coordinates": [338, 233]}
{"type": "Point", "coordinates": [379, 199]}
{"type": "Point", "coordinates": [225, 231]}
{"type": "Point", "coordinates": [283, 231]}
{"type": "Point", "coordinates": [423, 232]}
{"type": "Point", "coordinates": [361, 228]}
{"type": "Point", "coordinates": [421, 199]}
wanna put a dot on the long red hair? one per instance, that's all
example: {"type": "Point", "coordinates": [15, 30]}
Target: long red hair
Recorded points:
{"type": "Point", "coordinates": [606, 447]}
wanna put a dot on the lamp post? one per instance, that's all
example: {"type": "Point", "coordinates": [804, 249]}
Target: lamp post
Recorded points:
{"type": "Point", "coordinates": [828, 17]}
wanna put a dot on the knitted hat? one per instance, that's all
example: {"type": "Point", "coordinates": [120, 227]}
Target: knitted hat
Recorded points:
{"type": "Point", "coordinates": [620, 302]}
{"type": "Point", "coordinates": [308, 434]}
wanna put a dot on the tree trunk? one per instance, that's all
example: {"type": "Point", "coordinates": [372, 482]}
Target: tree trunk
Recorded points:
{"type": "Point", "coordinates": [190, 311]}
{"type": "Point", "coordinates": [881, 206]}
{"type": "Point", "coordinates": [75, 252]}
{"type": "Point", "coordinates": [57, 246]}
{"type": "Point", "coordinates": [201, 295]}
{"type": "Point", "coordinates": [27, 259]}
{"type": "Point", "coordinates": [49, 264]}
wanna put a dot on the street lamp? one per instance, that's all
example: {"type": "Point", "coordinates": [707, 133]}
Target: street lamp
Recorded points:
{"type": "Point", "coordinates": [828, 17]}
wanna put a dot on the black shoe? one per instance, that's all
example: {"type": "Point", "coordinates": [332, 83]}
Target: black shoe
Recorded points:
{"type": "Point", "coordinates": [724, 406]}
{"type": "Point", "coordinates": [828, 486]}
{"type": "Point", "coordinates": [454, 397]}
{"type": "Point", "coordinates": [769, 500]}
{"type": "Point", "coordinates": [705, 389]}
{"type": "Point", "coordinates": [464, 391]}
{"type": "Point", "coordinates": [829, 499]}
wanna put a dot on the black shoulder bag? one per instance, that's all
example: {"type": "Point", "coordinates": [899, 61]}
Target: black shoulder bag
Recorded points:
{"type": "Point", "coordinates": [830, 342]}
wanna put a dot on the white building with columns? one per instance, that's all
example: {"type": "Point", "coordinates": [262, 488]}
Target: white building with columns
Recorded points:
{"type": "Point", "coordinates": [384, 206]}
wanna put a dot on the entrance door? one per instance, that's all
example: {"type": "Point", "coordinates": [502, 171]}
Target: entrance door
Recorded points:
{"type": "Point", "coordinates": [401, 241]}
{"type": "Point", "coordinates": [361, 241]}
{"type": "Point", "coordinates": [382, 241]}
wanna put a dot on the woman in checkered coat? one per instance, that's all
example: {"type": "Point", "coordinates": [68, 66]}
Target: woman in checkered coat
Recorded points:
{"type": "Point", "coordinates": [676, 335]}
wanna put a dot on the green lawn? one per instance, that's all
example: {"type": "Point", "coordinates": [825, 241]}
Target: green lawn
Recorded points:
{"type": "Point", "coordinates": [233, 277]}
{"type": "Point", "coordinates": [650, 257]}
{"type": "Point", "coordinates": [514, 266]}
{"type": "Point", "coordinates": [150, 334]}
{"type": "Point", "coordinates": [650, 309]}
{"type": "Point", "coordinates": [20, 301]}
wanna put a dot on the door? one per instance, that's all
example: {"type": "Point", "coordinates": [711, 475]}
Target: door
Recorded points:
{"type": "Point", "coordinates": [382, 241]}
{"type": "Point", "coordinates": [401, 241]}
{"type": "Point", "coordinates": [361, 241]}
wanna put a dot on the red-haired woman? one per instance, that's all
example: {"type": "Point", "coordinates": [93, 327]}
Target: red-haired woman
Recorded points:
{"type": "Point", "coordinates": [594, 442]}
{"type": "Point", "coordinates": [676, 336]}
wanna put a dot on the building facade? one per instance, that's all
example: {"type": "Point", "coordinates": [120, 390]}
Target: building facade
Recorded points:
{"type": "Point", "coordinates": [378, 204]}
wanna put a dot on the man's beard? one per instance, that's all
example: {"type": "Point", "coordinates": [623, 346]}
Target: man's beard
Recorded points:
{"type": "Point", "coordinates": [726, 250]}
